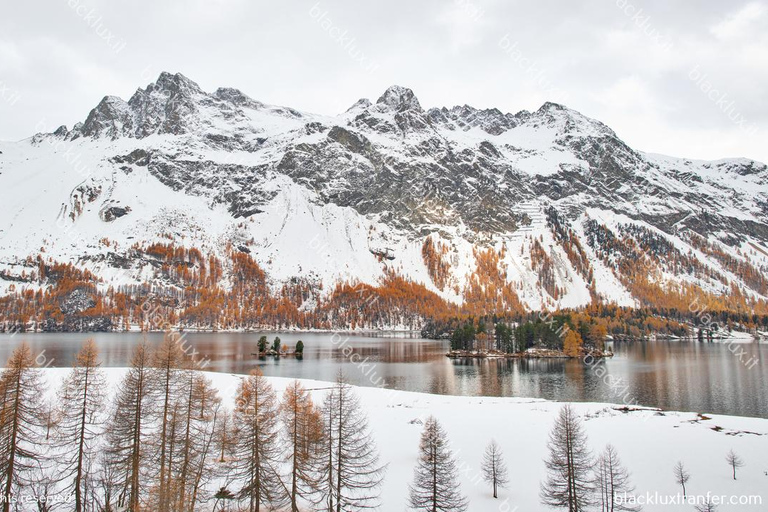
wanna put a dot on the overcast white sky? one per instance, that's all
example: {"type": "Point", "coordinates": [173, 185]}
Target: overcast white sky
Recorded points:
{"type": "Point", "coordinates": [653, 70]}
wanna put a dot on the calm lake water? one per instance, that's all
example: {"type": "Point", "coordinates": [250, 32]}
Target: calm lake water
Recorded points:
{"type": "Point", "coordinates": [672, 375]}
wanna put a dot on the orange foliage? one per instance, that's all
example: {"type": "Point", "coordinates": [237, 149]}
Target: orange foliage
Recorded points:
{"type": "Point", "coordinates": [544, 267]}
{"type": "Point", "coordinates": [487, 290]}
{"type": "Point", "coordinates": [434, 254]}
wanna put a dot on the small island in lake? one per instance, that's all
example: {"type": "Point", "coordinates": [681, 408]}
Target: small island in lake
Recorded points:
{"type": "Point", "coordinates": [560, 336]}
{"type": "Point", "coordinates": [278, 349]}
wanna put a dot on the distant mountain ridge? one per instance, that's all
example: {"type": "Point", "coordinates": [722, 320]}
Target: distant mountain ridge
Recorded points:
{"type": "Point", "coordinates": [387, 188]}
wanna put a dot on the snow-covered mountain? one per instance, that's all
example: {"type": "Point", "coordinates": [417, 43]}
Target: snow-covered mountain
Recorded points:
{"type": "Point", "coordinates": [562, 210]}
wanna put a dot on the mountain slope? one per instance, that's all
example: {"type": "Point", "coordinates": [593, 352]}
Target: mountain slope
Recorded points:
{"type": "Point", "coordinates": [534, 210]}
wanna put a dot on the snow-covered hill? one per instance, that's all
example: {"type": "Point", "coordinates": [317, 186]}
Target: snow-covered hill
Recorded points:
{"type": "Point", "coordinates": [569, 210]}
{"type": "Point", "coordinates": [521, 427]}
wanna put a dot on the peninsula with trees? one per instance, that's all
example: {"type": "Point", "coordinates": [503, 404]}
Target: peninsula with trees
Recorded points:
{"type": "Point", "coordinates": [548, 336]}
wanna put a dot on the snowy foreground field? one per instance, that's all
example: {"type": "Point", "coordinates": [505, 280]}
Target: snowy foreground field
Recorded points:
{"type": "Point", "coordinates": [648, 442]}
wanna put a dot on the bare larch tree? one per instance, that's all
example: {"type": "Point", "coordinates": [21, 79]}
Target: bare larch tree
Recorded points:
{"type": "Point", "coordinates": [569, 465]}
{"type": "Point", "coordinates": [707, 506]}
{"type": "Point", "coordinates": [681, 475]}
{"type": "Point", "coordinates": [302, 437]}
{"type": "Point", "coordinates": [734, 461]}
{"type": "Point", "coordinates": [350, 474]}
{"type": "Point", "coordinates": [194, 441]}
{"type": "Point", "coordinates": [225, 436]}
{"type": "Point", "coordinates": [611, 481]}
{"type": "Point", "coordinates": [257, 448]}
{"type": "Point", "coordinates": [435, 484]}
{"type": "Point", "coordinates": [167, 361]}
{"type": "Point", "coordinates": [127, 431]}
{"type": "Point", "coordinates": [493, 467]}
{"type": "Point", "coordinates": [81, 405]}
{"type": "Point", "coordinates": [20, 423]}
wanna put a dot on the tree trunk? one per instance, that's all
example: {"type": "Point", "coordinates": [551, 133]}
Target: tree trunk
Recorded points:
{"type": "Point", "coordinates": [434, 479]}
{"type": "Point", "coordinates": [12, 447]}
{"type": "Point", "coordinates": [163, 487]}
{"type": "Point", "coordinates": [81, 447]}
{"type": "Point", "coordinates": [294, 476]}
{"type": "Point", "coordinates": [136, 454]}
{"type": "Point", "coordinates": [338, 453]}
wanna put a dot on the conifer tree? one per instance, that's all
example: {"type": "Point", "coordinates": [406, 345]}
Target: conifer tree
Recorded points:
{"type": "Point", "coordinates": [493, 467]}
{"type": "Point", "coordinates": [303, 434]}
{"type": "Point", "coordinates": [127, 431]}
{"type": "Point", "coordinates": [262, 344]}
{"type": "Point", "coordinates": [257, 448]}
{"type": "Point", "coordinates": [20, 424]}
{"type": "Point", "coordinates": [612, 480]}
{"type": "Point", "coordinates": [435, 480]}
{"type": "Point", "coordinates": [81, 403]}
{"type": "Point", "coordinates": [167, 361]}
{"type": "Point", "coordinates": [193, 442]}
{"type": "Point", "coordinates": [681, 475]}
{"type": "Point", "coordinates": [569, 465]}
{"type": "Point", "coordinates": [350, 474]}
{"type": "Point", "coordinates": [734, 461]}
{"type": "Point", "coordinates": [707, 506]}
{"type": "Point", "coordinates": [572, 343]}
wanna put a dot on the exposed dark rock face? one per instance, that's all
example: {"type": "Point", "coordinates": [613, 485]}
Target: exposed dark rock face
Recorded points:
{"type": "Point", "coordinates": [418, 170]}
{"type": "Point", "coordinates": [77, 301]}
{"type": "Point", "coordinates": [115, 212]}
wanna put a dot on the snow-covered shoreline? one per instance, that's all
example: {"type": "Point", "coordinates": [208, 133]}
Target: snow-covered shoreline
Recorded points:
{"type": "Point", "coordinates": [649, 442]}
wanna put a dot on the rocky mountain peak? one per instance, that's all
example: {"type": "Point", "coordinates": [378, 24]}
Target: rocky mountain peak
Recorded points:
{"type": "Point", "coordinates": [112, 117]}
{"type": "Point", "coordinates": [175, 83]}
{"type": "Point", "coordinates": [568, 122]}
{"type": "Point", "coordinates": [236, 97]}
{"type": "Point", "coordinates": [550, 106]}
{"type": "Point", "coordinates": [399, 99]}
{"type": "Point", "coordinates": [360, 105]}
{"type": "Point", "coordinates": [466, 117]}
{"type": "Point", "coordinates": [387, 175]}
